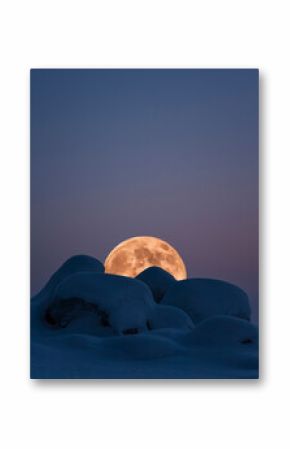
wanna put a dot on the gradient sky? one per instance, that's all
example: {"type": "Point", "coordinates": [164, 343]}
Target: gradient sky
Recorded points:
{"type": "Point", "coordinates": [168, 153]}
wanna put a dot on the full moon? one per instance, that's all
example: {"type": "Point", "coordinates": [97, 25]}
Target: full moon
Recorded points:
{"type": "Point", "coordinates": [136, 254]}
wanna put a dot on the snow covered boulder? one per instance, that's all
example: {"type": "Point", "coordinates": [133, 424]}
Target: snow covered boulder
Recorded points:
{"type": "Point", "coordinates": [75, 264]}
{"type": "Point", "coordinates": [158, 281]}
{"type": "Point", "coordinates": [169, 317]}
{"type": "Point", "coordinates": [122, 303]}
{"type": "Point", "coordinates": [203, 298]}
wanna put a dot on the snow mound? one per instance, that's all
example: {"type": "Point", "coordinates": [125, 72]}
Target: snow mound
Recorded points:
{"type": "Point", "coordinates": [158, 281]}
{"type": "Point", "coordinates": [203, 298]}
{"type": "Point", "coordinates": [224, 330]}
{"type": "Point", "coordinates": [75, 264]}
{"type": "Point", "coordinates": [169, 317]}
{"type": "Point", "coordinates": [121, 303]}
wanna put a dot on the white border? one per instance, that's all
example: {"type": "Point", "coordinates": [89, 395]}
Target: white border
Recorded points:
{"type": "Point", "coordinates": [144, 34]}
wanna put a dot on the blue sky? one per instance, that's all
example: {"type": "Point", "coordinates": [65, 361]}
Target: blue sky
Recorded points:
{"type": "Point", "coordinates": [168, 153]}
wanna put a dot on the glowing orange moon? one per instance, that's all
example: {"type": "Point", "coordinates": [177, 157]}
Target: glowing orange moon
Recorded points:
{"type": "Point", "coordinates": [136, 254]}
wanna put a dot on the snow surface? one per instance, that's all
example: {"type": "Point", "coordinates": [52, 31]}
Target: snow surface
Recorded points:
{"type": "Point", "coordinates": [94, 325]}
{"type": "Point", "coordinates": [158, 280]}
{"type": "Point", "coordinates": [74, 264]}
{"type": "Point", "coordinates": [169, 317]}
{"type": "Point", "coordinates": [202, 298]}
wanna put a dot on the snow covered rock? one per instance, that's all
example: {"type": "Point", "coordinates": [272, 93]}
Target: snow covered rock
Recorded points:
{"type": "Point", "coordinates": [74, 264]}
{"type": "Point", "coordinates": [122, 303]}
{"type": "Point", "coordinates": [158, 281]}
{"type": "Point", "coordinates": [169, 317]}
{"type": "Point", "coordinates": [203, 298]}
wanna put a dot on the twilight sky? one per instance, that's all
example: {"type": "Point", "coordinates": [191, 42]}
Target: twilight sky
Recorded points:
{"type": "Point", "coordinates": [167, 153]}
